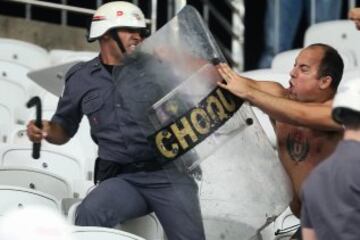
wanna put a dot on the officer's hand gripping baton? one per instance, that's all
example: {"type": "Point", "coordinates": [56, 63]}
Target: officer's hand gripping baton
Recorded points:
{"type": "Point", "coordinates": [35, 101]}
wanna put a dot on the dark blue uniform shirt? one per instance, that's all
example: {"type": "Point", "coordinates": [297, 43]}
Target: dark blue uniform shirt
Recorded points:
{"type": "Point", "coordinates": [115, 110]}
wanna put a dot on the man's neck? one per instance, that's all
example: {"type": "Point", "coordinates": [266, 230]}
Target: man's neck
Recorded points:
{"type": "Point", "coordinates": [109, 59]}
{"type": "Point", "coordinates": [352, 134]}
{"type": "Point", "coordinates": [110, 55]}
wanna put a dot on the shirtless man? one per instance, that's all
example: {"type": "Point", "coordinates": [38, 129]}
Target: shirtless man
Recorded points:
{"type": "Point", "coordinates": [301, 113]}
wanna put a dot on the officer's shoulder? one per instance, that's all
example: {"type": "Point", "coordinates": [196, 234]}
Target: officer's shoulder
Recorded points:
{"type": "Point", "coordinates": [81, 68]}
{"type": "Point", "coordinates": [74, 69]}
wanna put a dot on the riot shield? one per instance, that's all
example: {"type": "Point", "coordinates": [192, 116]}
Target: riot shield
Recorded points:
{"type": "Point", "coordinates": [203, 132]}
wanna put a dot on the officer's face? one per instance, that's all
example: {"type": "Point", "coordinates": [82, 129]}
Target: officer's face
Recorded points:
{"type": "Point", "coordinates": [130, 38]}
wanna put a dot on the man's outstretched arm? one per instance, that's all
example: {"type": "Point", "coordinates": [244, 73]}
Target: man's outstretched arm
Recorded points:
{"type": "Point", "coordinates": [272, 99]}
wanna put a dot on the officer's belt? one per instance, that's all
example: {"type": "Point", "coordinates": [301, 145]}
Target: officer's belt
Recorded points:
{"type": "Point", "coordinates": [145, 166]}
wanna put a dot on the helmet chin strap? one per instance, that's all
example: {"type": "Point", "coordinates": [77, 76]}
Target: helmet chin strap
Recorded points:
{"type": "Point", "coordinates": [115, 36]}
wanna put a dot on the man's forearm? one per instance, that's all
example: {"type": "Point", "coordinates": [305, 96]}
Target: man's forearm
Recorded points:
{"type": "Point", "coordinates": [293, 112]}
{"type": "Point", "coordinates": [56, 134]}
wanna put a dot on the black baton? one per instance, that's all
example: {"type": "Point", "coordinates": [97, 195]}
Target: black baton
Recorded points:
{"type": "Point", "coordinates": [35, 101]}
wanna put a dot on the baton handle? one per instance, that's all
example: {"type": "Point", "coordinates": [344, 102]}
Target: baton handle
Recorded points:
{"type": "Point", "coordinates": [35, 101]}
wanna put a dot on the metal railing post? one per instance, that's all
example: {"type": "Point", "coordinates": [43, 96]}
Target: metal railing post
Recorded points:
{"type": "Point", "coordinates": [206, 12]}
{"type": "Point", "coordinates": [237, 45]}
{"type": "Point", "coordinates": [153, 18]}
{"type": "Point", "coordinates": [313, 12]}
{"type": "Point", "coordinates": [64, 14]}
{"type": "Point", "coordinates": [28, 11]}
{"type": "Point", "coordinates": [277, 12]}
{"type": "Point", "coordinates": [98, 3]}
{"type": "Point", "coordinates": [179, 4]}
{"type": "Point", "coordinates": [136, 2]}
{"type": "Point", "coordinates": [170, 9]}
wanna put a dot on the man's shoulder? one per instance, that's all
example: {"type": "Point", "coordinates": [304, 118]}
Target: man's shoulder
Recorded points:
{"type": "Point", "coordinates": [74, 69]}
{"type": "Point", "coordinates": [81, 68]}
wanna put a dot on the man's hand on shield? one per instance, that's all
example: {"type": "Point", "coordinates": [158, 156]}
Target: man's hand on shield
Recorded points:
{"type": "Point", "coordinates": [233, 82]}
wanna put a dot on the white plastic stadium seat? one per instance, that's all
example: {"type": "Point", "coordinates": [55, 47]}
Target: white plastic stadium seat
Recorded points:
{"type": "Point", "coordinates": [283, 228]}
{"type": "Point", "coordinates": [284, 62]}
{"type": "Point", "coordinates": [14, 96]}
{"type": "Point", "coordinates": [51, 160]}
{"type": "Point", "coordinates": [340, 34]}
{"type": "Point", "coordinates": [36, 180]}
{"type": "Point", "coordinates": [96, 233]}
{"type": "Point", "coordinates": [24, 53]}
{"type": "Point", "coordinates": [268, 75]}
{"type": "Point", "coordinates": [13, 75]}
{"type": "Point", "coordinates": [18, 73]}
{"type": "Point", "coordinates": [147, 226]}
{"type": "Point", "coordinates": [17, 197]}
{"type": "Point", "coordinates": [59, 56]}
{"type": "Point", "coordinates": [6, 123]}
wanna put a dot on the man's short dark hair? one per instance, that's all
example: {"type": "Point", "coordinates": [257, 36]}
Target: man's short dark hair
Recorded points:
{"type": "Point", "coordinates": [331, 64]}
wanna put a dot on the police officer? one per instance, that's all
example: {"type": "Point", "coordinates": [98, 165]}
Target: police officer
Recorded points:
{"type": "Point", "coordinates": [131, 182]}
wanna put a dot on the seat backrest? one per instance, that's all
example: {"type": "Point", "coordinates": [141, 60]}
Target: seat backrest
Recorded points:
{"type": "Point", "coordinates": [147, 227]}
{"type": "Point", "coordinates": [6, 123]}
{"type": "Point", "coordinates": [340, 34]}
{"type": "Point", "coordinates": [15, 72]}
{"type": "Point", "coordinates": [284, 62]}
{"type": "Point", "coordinates": [51, 160]}
{"type": "Point", "coordinates": [17, 197]}
{"type": "Point", "coordinates": [14, 96]}
{"type": "Point", "coordinates": [59, 56]}
{"type": "Point", "coordinates": [96, 233]}
{"type": "Point", "coordinates": [24, 53]}
{"type": "Point", "coordinates": [36, 180]}
{"type": "Point", "coordinates": [268, 74]}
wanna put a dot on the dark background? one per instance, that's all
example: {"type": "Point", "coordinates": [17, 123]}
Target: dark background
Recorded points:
{"type": "Point", "coordinates": [254, 18]}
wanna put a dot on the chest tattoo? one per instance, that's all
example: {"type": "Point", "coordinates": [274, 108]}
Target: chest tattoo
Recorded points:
{"type": "Point", "coordinates": [297, 146]}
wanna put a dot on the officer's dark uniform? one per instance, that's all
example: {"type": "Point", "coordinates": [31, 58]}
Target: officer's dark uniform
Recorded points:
{"type": "Point", "coordinates": [132, 183]}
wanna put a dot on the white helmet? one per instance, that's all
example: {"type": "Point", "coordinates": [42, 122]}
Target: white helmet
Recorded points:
{"type": "Point", "coordinates": [113, 15]}
{"type": "Point", "coordinates": [347, 98]}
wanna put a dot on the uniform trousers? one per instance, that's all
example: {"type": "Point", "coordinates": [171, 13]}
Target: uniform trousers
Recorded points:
{"type": "Point", "coordinates": [172, 195]}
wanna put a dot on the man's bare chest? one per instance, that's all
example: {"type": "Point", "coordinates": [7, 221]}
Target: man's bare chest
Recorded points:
{"type": "Point", "coordinates": [300, 144]}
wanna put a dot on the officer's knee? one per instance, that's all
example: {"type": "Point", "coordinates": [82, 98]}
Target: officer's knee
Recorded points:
{"type": "Point", "coordinates": [88, 213]}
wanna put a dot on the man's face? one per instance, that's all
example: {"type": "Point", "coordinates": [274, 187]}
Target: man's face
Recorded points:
{"type": "Point", "coordinates": [304, 82]}
{"type": "Point", "coordinates": [130, 38]}
{"type": "Point", "coordinates": [354, 14]}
